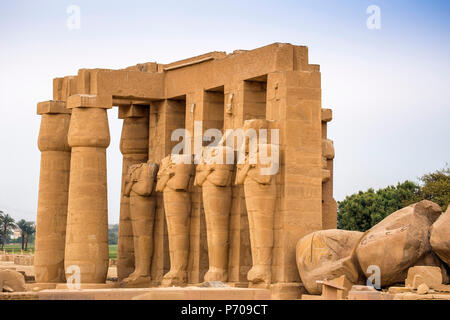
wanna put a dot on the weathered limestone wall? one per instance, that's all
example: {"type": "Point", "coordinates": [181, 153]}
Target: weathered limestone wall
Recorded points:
{"type": "Point", "coordinates": [294, 101]}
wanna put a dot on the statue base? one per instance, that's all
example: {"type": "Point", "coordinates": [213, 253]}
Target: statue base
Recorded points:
{"type": "Point", "coordinates": [108, 285]}
{"type": "Point", "coordinates": [287, 291]}
{"type": "Point", "coordinates": [40, 286]}
{"type": "Point", "coordinates": [174, 293]}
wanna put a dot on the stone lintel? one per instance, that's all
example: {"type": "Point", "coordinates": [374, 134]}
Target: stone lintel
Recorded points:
{"type": "Point", "coordinates": [52, 107]}
{"type": "Point", "coordinates": [89, 101]}
{"type": "Point", "coordinates": [126, 102]}
{"type": "Point", "coordinates": [327, 115]}
{"type": "Point", "coordinates": [133, 111]}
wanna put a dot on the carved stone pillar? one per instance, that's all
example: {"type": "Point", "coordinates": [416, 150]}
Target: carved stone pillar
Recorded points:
{"type": "Point", "coordinates": [294, 101]}
{"type": "Point", "coordinates": [165, 116]}
{"type": "Point", "coordinates": [87, 220]}
{"type": "Point", "coordinates": [258, 175]}
{"type": "Point", "coordinates": [139, 188]}
{"type": "Point", "coordinates": [329, 205]}
{"type": "Point", "coordinates": [214, 176]}
{"type": "Point", "coordinates": [174, 180]}
{"type": "Point", "coordinates": [134, 148]}
{"type": "Point", "coordinates": [53, 192]}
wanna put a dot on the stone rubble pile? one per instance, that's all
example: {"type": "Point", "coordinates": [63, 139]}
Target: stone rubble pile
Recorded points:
{"type": "Point", "coordinates": [410, 246]}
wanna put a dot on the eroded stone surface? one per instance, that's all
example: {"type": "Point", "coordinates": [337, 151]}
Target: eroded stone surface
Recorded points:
{"type": "Point", "coordinates": [260, 198]}
{"type": "Point", "coordinates": [214, 176]}
{"type": "Point", "coordinates": [398, 242]}
{"type": "Point", "coordinates": [174, 178]}
{"type": "Point", "coordinates": [432, 276]}
{"type": "Point", "coordinates": [325, 255]}
{"type": "Point", "coordinates": [440, 237]}
{"type": "Point", "coordinates": [12, 281]}
{"type": "Point", "coordinates": [139, 187]}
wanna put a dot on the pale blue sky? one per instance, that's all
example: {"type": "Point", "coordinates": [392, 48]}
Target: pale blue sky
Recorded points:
{"type": "Point", "coordinates": [388, 88]}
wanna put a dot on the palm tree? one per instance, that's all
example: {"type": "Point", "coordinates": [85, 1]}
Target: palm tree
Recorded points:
{"type": "Point", "coordinates": [22, 224]}
{"type": "Point", "coordinates": [6, 224]}
{"type": "Point", "coordinates": [30, 229]}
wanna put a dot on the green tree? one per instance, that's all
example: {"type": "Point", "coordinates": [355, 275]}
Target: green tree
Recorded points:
{"type": "Point", "coordinates": [363, 210]}
{"type": "Point", "coordinates": [30, 229]}
{"type": "Point", "coordinates": [436, 187]}
{"type": "Point", "coordinates": [22, 224]}
{"type": "Point", "coordinates": [6, 225]}
{"type": "Point", "coordinates": [113, 234]}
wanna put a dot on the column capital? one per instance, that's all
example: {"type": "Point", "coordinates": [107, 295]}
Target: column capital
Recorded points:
{"type": "Point", "coordinates": [327, 115]}
{"type": "Point", "coordinates": [89, 128]}
{"type": "Point", "coordinates": [89, 101]}
{"type": "Point", "coordinates": [52, 107]}
{"type": "Point", "coordinates": [133, 111]}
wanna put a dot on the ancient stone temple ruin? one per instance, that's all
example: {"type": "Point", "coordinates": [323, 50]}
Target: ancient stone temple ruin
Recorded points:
{"type": "Point", "coordinates": [184, 219]}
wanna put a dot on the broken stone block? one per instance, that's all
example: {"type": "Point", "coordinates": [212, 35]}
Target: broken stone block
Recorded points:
{"type": "Point", "coordinates": [24, 260]}
{"type": "Point", "coordinates": [12, 281]}
{"type": "Point", "coordinates": [395, 290]}
{"type": "Point", "coordinates": [423, 289]}
{"type": "Point", "coordinates": [369, 295]}
{"type": "Point", "coordinates": [330, 290]}
{"type": "Point", "coordinates": [325, 255]}
{"type": "Point", "coordinates": [418, 275]}
{"type": "Point", "coordinates": [416, 296]}
{"type": "Point", "coordinates": [335, 289]}
{"type": "Point", "coordinates": [362, 288]}
{"type": "Point", "coordinates": [287, 291]}
{"type": "Point", "coordinates": [398, 242]}
{"type": "Point", "coordinates": [440, 237]}
{"type": "Point", "coordinates": [432, 260]}
{"type": "Point", "coordinates": [345, 283]}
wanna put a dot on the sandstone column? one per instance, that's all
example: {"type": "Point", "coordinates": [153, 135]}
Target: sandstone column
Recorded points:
{"type": "Point", "coordinates": [53, 192]}
{"type": "Point", "coordinates": [134, 148]}
{"type": "Point", "coordinates": [329, 205]}
{"type": "Point", "coordinates": [87, 220]}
